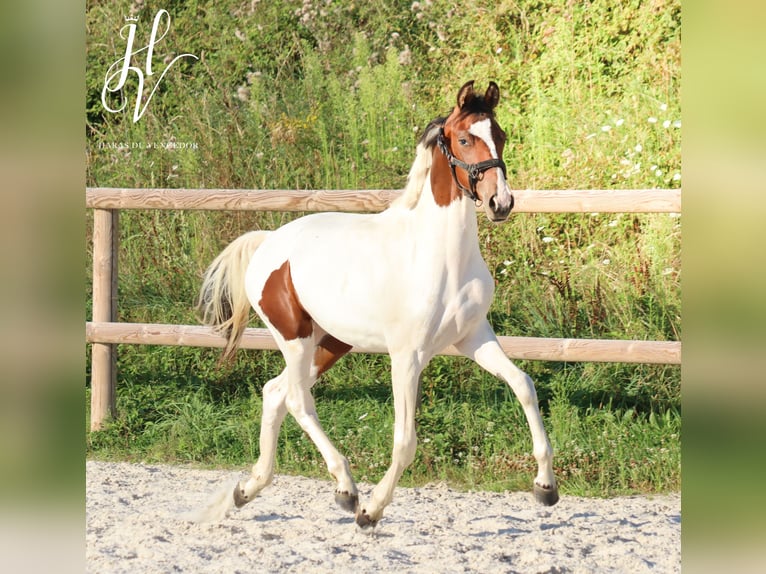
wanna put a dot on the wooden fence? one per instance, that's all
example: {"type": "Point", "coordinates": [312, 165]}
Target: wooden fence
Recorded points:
{"type": "Point", "coordinates": [104, 332]}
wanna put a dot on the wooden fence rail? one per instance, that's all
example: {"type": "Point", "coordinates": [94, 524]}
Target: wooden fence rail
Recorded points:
{"type": "Point", "coordinates": [525, 201]}
{"type": "Point", "coordinates": [104, 333]}
{"type": "Point", "coordinates": [532, 348]}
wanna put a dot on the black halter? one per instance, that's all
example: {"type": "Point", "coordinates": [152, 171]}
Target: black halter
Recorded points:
{"type": "Point", "coordinates": [475, 170]}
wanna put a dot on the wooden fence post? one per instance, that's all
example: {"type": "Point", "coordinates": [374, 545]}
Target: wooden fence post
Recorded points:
{"type": "Point", "coordinates": [104, 357]}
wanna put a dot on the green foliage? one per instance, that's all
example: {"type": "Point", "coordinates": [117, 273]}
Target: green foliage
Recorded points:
{"type": "Point", "coordinates": [310, 94]}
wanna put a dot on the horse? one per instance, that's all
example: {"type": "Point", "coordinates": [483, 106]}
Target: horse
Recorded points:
{"type": "Point", "coordinates": [408, 281]}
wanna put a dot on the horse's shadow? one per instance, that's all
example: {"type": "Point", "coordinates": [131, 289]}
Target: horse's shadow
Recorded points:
{"type": "Point", "coordinates": [273, 516]}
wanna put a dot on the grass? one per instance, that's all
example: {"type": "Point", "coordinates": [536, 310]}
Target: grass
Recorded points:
{"type": "Point", "coordinates": [303, 95]}
{"type": "Point", "coordinates": [472, 432]}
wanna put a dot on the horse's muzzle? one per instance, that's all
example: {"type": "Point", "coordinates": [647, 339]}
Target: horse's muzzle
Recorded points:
{"type": "Point", "coordinates": [498, 212]}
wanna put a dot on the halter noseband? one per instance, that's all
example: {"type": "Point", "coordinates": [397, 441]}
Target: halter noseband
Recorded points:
{"type": "Point", "coordinates": [475, 170]}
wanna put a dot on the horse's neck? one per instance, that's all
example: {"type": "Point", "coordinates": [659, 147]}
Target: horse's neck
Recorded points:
{"type": "Point", "coordinates": [451, 231]}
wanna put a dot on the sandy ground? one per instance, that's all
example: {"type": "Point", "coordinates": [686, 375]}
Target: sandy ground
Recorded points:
{"type": "Point", "coordinates": [135, 524]}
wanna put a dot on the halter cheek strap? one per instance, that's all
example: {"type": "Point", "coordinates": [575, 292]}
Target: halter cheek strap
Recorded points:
{"type": "Point", "coordinates": [475, 170]}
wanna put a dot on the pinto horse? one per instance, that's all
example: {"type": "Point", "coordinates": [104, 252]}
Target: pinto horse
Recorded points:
{"type": "Point", "coordinates": [409, 281]}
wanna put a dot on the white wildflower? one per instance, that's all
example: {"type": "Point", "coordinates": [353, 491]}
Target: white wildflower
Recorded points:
{"type": "Point", "coordinates": [405, 56]}
{"type": "Point", "coordinates": [243, 93]}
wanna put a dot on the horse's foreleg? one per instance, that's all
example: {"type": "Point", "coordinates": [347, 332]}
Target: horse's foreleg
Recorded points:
{"type": "Point", "coordinates": [482, 346]}
{"type": "Point", "coordinates": [404, 373]}
{"type": "Point", "coordinates": [274, 411]}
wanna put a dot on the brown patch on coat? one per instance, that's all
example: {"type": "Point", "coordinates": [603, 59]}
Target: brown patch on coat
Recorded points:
{"type": "Point", "coordinates": [442, 185]}
{"type": "Point", "coordinates": [280, 304]}
{"type": "Point", "coordinates": [327, 352]}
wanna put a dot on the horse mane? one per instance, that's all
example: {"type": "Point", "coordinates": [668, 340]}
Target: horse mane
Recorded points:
{"type": "Point", "coordinates": [421, 166]}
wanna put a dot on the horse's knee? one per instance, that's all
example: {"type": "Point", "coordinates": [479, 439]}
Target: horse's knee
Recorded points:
{"type": "Point", "coordinates": [524, 389]}
{"type": "Point", "coordinates": [405, 447]}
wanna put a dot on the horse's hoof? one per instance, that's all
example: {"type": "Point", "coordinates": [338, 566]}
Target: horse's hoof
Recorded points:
{"type": "Point", "coordinates": [239, 497]}
{"type": "Point", "coordinates": [546, 495]}
{"type": "Point", "coordinates": [346, 501]}
{"type": "Point", "coordinates": [363, 520]}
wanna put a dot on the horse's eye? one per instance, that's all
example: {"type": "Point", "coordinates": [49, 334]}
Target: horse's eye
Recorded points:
{"type": "Point", "coordinates": [462, 141]}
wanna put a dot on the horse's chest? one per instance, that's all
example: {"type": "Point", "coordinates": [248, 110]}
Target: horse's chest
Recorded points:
{"type": "Point", "coordinates": [461, 309]}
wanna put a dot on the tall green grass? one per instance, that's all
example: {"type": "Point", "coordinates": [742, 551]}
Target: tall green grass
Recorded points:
{"type": "Point", "coordinates": [310, 95]}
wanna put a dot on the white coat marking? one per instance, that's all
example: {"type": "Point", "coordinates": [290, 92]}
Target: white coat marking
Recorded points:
{"type": "Point", "coordinates": [483, 130]}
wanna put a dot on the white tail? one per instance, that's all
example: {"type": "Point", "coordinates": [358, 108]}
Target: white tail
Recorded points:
{"type": "Point", "coordinates": [223, 301]}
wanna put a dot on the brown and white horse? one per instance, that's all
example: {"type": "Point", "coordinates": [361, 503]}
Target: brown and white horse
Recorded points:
{"type": "Point", "coordinates": [409, 281]}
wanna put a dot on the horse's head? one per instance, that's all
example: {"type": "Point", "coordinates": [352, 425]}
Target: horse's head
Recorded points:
{"type": "Point", "coordinates": [473, 142]}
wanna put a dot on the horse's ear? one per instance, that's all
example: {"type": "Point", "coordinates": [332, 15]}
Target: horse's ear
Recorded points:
{"type": "Point", "coordinates": [465, 94]}
{"type": "Point", "coordinates": [492, 95]}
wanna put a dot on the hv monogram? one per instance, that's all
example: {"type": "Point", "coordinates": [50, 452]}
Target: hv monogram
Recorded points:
{"type": "Point", "coordinates": [117, 74]}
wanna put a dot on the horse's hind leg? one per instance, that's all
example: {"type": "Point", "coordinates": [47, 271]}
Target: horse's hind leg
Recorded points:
{"type": "Point", "coordinates": [274, 410]}
{"type": "Point", "coordinates": [301, 356]}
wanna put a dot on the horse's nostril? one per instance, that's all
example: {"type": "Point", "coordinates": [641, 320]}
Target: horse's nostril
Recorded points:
{"type": "Point", "coordinates": [510, 206]}
{"type": "Point", "coordinates": [493, 203]}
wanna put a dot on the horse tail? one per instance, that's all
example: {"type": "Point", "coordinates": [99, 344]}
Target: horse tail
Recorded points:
{"type": "Point", "coordinates": [223, 302]}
